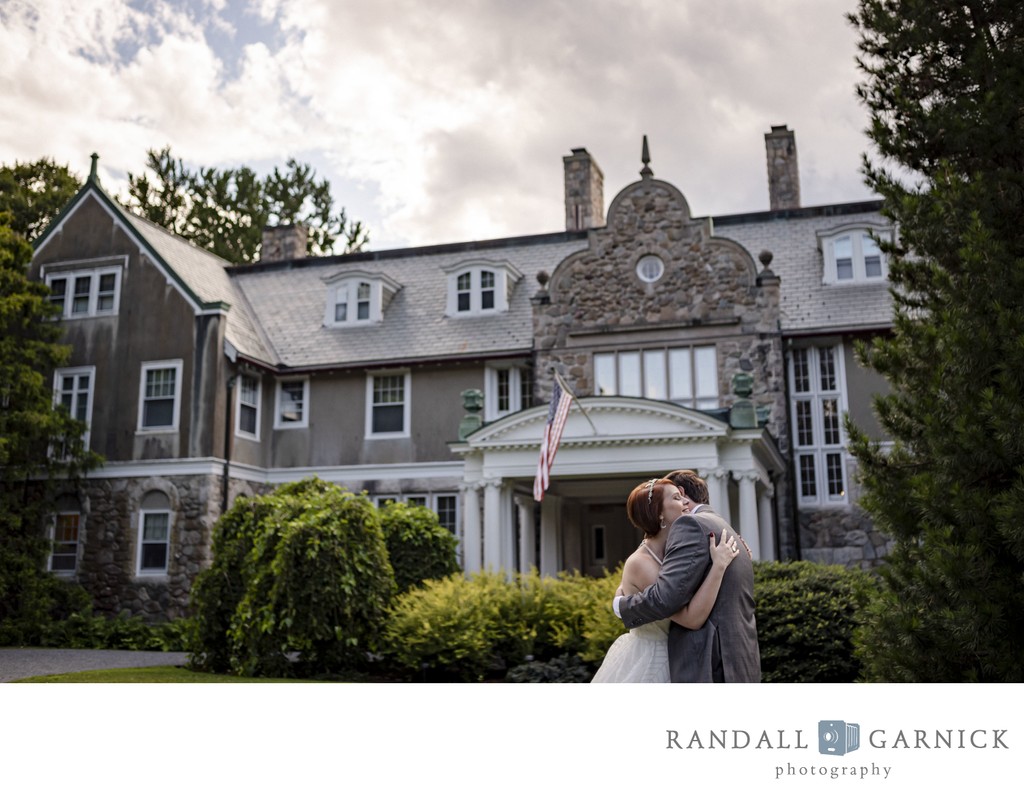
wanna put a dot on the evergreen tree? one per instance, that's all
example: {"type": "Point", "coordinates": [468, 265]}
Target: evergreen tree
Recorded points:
{"type": "Point", "coordinates": [944, 85]}
{"type": "Point", "coordinates": [225, 210]}
{"type": "Point", "coordinates": [34, 193]}
{"type": "Point", "coordinates": [40, 446]}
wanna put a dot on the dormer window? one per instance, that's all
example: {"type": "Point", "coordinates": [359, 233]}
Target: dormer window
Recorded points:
{"type": "Point", "coordinates": [480, 288]}
{"type": "Point", "coordinates": [355, 299]}
{"type": "Point", "coordinates": [852, 256]}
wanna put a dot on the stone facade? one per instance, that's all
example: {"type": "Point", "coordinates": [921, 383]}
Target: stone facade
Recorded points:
{"type": "Point", "coordinates": [710, 293]}
{"type": "Point", "coordinates": [109, 546]}
{"type": "Point", "coordinates": [843, 536]}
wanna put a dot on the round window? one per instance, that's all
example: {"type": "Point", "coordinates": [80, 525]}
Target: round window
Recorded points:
{"type": "Point", "coordinates": [650, 268]}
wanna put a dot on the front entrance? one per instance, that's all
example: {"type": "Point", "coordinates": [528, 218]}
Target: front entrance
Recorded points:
{"type": "Point", "coordinates": [608, 537]}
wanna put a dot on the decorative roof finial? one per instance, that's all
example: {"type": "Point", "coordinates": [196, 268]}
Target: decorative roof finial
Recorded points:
{"type": "Point", "coordinates": [92, 170]}
{"type": "Point", "coordinates": [645, 157]}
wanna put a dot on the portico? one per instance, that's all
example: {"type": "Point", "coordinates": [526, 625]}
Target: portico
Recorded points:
{"type": "Point", "coordinates": [581, 523]}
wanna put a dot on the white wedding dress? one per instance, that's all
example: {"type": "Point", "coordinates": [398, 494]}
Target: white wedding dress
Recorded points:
{"type": "Point", "coordinates": [639, 656]}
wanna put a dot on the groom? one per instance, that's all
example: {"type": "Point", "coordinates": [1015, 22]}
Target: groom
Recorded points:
{"type": "Point", "coordinates": [725, 649]}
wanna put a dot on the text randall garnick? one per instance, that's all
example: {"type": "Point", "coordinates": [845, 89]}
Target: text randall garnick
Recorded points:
{"type": "Point", "coordinates": [790, 739]}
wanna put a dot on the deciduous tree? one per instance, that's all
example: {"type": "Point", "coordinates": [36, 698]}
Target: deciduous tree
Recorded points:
{"type": "Point", "coordinates": [33, 193]}
{"type": "Point", "coordinates": [225, 210]}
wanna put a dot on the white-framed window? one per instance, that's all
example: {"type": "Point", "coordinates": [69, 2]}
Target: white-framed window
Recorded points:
{"type": "Point", "coordinates": [160, 396]}
{"type": "Point", "coordinates": [480, 288]}
{"type": "Point", "coordinates": [508, 388]}
{"type": "Point", "coordinates": [292, 404]}
{"type": "Point", "coordinates": [66, 532]}
{"type": "Point", "coordinates": [852, 256]}
{"type": "Point", "coordinates": [388, 405]}
{"type": "Point", "coordinates": [355, 298]}
{"type": "Point", "coordinates": [247, 407]}
{"type": "Point", "coordinates": [816, 377]}
{"type": "Point", "coordinates": [650, 268]}
{"type": "Point", "coordinates": [444, 504]}
{"type": "Point", "coordinates": [73, 389]}
{"type": "Point", "coordinates": [686, 376]}
{"type": "Point", "coordinates": [94, 292]}
{"type": "Point", "coordinates": [154, 545]}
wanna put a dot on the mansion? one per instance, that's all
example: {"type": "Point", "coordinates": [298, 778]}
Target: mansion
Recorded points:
{"type": "Point", "coordinates": [723, 344]}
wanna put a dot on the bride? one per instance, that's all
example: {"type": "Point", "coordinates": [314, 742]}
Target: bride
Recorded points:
{"type": "Point", "coordinates": [641, 655]}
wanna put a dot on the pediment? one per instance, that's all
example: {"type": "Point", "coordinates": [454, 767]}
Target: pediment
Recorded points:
{"type": "Point", "coordinates": [608, 421]}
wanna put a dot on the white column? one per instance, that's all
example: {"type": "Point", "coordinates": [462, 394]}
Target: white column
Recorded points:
{"type": "Point", "coordinates": [472, 553]}
{"type": "Point", "coordinates": [492, 524]}
{"type": "Point", "coordinates": [550, 508]}
{"type": "Point", "coordinates": [767, 524]}
{"type": "Point", "coordinates": [718, 492]}
{"type": "Point", "coordinates": [749, 526]}
{"type": "Point", "coordinates": [524, 508]}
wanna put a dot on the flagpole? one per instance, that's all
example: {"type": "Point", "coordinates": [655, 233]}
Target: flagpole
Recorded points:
{"type": "Point", "coordinates": [565, 386]}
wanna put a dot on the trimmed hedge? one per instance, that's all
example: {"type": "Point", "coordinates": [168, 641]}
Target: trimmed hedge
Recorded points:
{"type": "Point", "coordinates": [807, 615]}
{"type": "Point", "coordinates": [476, 628]}
{"type": "Point", "coordinates": [542, 629]}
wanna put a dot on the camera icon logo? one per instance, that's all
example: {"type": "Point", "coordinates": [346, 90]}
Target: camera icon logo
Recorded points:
{"type": "Point", "coordinates": [837, 738]}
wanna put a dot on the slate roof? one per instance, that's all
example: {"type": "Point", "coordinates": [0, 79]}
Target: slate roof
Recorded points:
{"type": "Point", "coordinates": [205, 275]}
{"type": "Point", "coordinates": [289, 300]}
{"type": "Point", "coordinates": [808, 305]}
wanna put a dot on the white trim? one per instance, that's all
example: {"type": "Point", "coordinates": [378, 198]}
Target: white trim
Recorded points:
{"type": "Point", "coordinates": [81, 370]}
{"type": "Point", "coordinates": [855, 232]}
{"type": "Point", "coordinates": [491, 411]}
{"type": "Point", "coordinates": [52, 535]}
{"type": "Point", "coordinates": [382, 289]}
{"type": "Point", "coordinates": [506, 276]}
{"type": "Point", "coordinates": [818, 450]}
{"type": "Point", "coordinates": [143, 513]}
{"type": "Point", "coordinates": [239, 432]}
{"type": "Point", "coordinates": [406, 375]}
{"type": "Point", "coordinates": [354, 475]}
{"type": "Point", "coordinates": [92, 271]}
{"type": "Point", "coordinates": [291, 425]}
{"type": "Point", "coordinates": [155, 365]}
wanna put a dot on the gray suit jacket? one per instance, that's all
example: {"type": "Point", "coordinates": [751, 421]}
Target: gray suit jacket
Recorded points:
{"type": "Point", "coordinates": [724, 649]}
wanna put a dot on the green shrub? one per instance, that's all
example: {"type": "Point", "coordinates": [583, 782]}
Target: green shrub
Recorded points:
{"type": "Point", "coordinates": [33, 600]}
{"type": "Point", "coordinates": [299, 586]}
{"type": "Point", "coordinates": [562, 669]}
{"type": "Point", "coordinates": [469, 629]}
{"type": "Point", "coordinates": [418, 546]}
{"type": "Point", "coordinates": [83, 630]}
{"type": "Point", "coordinates": [807, 615]}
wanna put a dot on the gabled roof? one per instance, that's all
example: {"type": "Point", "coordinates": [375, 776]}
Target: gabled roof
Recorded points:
{"type": "Point", "coordinates": [289, 300]}
{"type": "Point", "coordinates": [199, 275]}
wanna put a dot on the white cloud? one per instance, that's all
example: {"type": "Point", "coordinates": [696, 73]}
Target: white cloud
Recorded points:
{"type": "Point", "coordinates": [448, 120]}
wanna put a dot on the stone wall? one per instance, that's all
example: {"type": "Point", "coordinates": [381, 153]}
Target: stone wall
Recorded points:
{"type": "Point", "coordinates": [842, 536]}
{"type": "Point", "coordinates": [108, 557]}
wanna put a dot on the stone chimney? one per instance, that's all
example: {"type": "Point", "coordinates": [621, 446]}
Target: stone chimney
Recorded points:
{"type": "Point", "coordinates": [584, 191]}
{"type": "Point", "coordinates": [783, 169]}
{"type": "Point", "coordinates": [284, 242]}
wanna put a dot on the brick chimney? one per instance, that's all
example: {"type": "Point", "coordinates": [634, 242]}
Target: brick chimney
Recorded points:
{"type": "Point", "coordinates": [783, 168]}
{"type": "Point", "coordinates": [584, 191]}
{"type": "Point", "coordinates": [284, 242]}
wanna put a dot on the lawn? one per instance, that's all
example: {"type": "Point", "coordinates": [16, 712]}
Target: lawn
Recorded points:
{"type": "Point", "coordinates": [153, 674]}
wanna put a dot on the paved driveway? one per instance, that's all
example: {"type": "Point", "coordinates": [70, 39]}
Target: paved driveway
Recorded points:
{"type": "Point", "coordinates": [16, 664]}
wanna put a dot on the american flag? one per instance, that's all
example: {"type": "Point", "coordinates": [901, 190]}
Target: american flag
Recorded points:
{"type": "Point", "coordinates": [558, 412]}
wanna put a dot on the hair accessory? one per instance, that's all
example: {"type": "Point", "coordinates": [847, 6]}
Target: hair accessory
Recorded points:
{"type": "Point", "coordinates": [650, 488]}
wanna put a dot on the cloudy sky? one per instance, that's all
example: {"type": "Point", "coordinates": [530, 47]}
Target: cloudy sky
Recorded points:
{"type": "Point", "coordinates": [442, 120]}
